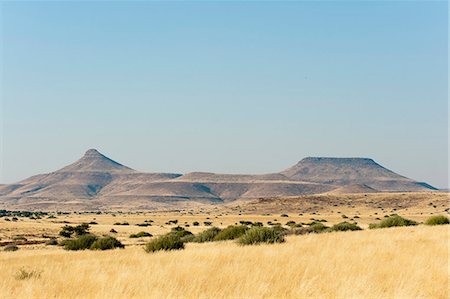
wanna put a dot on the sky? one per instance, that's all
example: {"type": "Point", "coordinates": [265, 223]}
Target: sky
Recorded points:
{"type": "Point", "coordinates": [229, 87]}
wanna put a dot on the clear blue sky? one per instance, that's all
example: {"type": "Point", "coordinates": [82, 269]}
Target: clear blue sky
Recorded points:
{"type": "Point", "coordinates": [232, 87]}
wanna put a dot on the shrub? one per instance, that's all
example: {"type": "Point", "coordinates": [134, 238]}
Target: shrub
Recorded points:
{"type": "Point", "coordinates": [207, 235]}
{"type": "Point", "coordinates": [437, 220]}
{"type": "Point", "coordinates": [106, 243]}
{"type": "Point", "coordinates": [113, 231]}
{"type": "Point", "coordinates": [344, 226]}
{"type": "Point", "coordinates": [256, 235]}
{"type": "Point", "coordinates": [207, 223]}
{"type": "Point", "coordinates": [11, 247]}
{"type": "Point", "coordinates": [318, 227]}
{"type": "Point", "coordinates": [290, 223]}
{"type": "Point", "coordinates": [231, 232]}
{"type": "Point", "coordinates": [284, 215]}
{"type": "Point", "coordinates": [80, 243]}
{"type": "Point", "coordinates": [79, 230]}
{"type": "Point", "coordinates": [141, 235]}
{"type": "Point", "coordinates": [392, 221]}
{"type": "Point", "coordinates": [166, 242]}
{"type": "Point", "coordinates": [195, 223]}
{"type": "Point", "coordinates": [185, 235]}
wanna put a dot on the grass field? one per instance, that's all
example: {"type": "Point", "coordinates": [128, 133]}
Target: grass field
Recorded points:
{"type": "Point", "coordinates": [403, 262]}
{"type": "Point", "coordinates": [407, 262]}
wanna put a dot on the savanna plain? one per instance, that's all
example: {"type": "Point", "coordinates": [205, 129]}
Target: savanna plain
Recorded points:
{"type": "Point", "coordinates": [409, 261]}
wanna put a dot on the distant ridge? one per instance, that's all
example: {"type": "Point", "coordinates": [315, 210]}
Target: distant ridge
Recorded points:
{"type": "Point", "coordinates": [95, 181]}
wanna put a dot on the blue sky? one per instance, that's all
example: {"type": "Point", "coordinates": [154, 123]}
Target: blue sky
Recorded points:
{"type": "Point", "coordinates": [233, 87]}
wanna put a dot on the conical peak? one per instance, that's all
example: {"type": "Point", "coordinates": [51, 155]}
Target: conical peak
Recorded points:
{"type": "Point", "coordinates": [92, 153]}
{"type": "Point", "coordinates": [94, 161]}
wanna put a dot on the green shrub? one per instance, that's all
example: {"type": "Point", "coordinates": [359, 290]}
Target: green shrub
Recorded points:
{"type": "Point", "coordinates": [318, 227]}
{"type": "Point", "coordinates": [392, 221]}
{"type": "Point", "coordinates": [106, 243]}
{"type": "Point", "coordinates": [79, 230]}
{"type": "Point", "coordinates": [141, 235]}
{"type": "Point", "coordinates": [80, 243]}
{"type": "Point", "coordinates": [166, 242]}
{"type": "Point", "coordinates": [185, 235]}
{"type": "Point", "coordinates": [231, 232]}
{"type": "Point", "coordinates": [437, 220]}
{"type": "Point", "coordinates": [207, 235]}
{"type": "Point", "coordinates": [195, 223]}
{"type": "Point", "coordinates": [11, 247]}
{"type": "Point", "coordinates": [256, 235]}
{"type": "Point", "coordinates": [344, 226]}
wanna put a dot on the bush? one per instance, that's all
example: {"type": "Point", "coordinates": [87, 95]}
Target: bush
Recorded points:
{"type": "Point", "coordinates": [344, 226]}
{"type": "Point", "coordinates": [256, 235]}
{"type": "Point", "coordinates": [166, 242]}
{"type": "Point", "coordinates": [195, 223]}
{"type": "Point", "coordinates": [79, 230]}
{"type": "Point", "coordinates": [27, 274]}
{"type": "Point", "coordinates": [231, 232]}
{"type": "Point", "coordinates": [207, 223]}
{"type": "Point", "coordinates": [141, 235]}
{"type": "Point", "coordinates": [207, 235]}
{"type": "Point", "coordinates": [11, 247]}
{"type": "Point", "coordinates": [185, 235]}
{"type": "Point", "coordinates": [80, 243]}
{"type": "Point", "coordinates": [318, 227]}
{"type": "Point", "coordinates": [392, 221]}
{"type": "Point", "coordinates": [106, 243]}
{"type": "Point", "coordinates": [437, 220]}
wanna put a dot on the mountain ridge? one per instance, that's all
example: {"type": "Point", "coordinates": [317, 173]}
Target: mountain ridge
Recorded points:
{"type": "Point", "coordinates": [97, 178]}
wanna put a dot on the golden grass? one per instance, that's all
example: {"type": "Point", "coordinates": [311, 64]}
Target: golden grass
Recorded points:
{"type": "Point", "coordinates": [407, 262]}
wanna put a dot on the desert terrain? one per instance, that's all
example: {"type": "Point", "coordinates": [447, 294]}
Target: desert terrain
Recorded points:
{"type": "Point", "coordinates": [399, 262]}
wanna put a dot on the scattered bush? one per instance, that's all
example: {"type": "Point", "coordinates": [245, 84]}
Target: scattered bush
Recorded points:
{"type": "Point", "coordinates": [185, 235]}
{"type": "Point", "coordinates": [284, 215]}
{"type": "Point", "coordinates": [391, 221]}
{"type": "Point", "coordinates": [80, 243]}
{"type": "Point", "coordinates": [141, 235]}
{"type": "Point", "coordinates": [207, 223]}
{"type": "Point", "coordinates": [318, 227]}
{"type": "Point", "coordinates": [166, 242]}
{"type": "Point", "coordinates": [231, 232]}
{"type": "Point", "coordinates": [207, 235]}
{"type": "Point", "coordinates": [113, 231]}
{"type": "Point", "coordinates": [437, 220]}
{"type": "Point", "coordinates": [106, 243]}
{"type": "Point", "coordinates": [67, 230]}
{"type": "Point", "coordinates": [195, 223]}
{"type": "Point", "coordinates": [11, 247]}
{"type": "Point", "coordinates": [256, 235]}
{"type": "Point", "coordinates": [121, 223]}
{"type": "Point", "coordinates": [344, 226]}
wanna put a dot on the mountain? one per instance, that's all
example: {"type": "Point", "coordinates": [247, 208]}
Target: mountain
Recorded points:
{"type": "Point", "coordinates": [96, 181]}
{"type": "Point", "coordinates": [348, 171]}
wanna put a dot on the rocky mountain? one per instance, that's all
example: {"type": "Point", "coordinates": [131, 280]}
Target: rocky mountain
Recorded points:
{"type": "Point", "coordinates": [96, 181]}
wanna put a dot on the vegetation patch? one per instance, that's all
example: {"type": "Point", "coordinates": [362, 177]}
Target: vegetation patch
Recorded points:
{"type": "Point", "coordinates": [207, 235]}
{"type": "Point", "coordinates": [106, 243]}
{"type": "Point", "coordinates": [392, 221]}
{"type": "Point", "coordinates": [231, 232]}
{"type": "Point", "coordinates": [80, 243]}
{"type": "Point", "coordinates": [344, 226]}
{"type": "Point", "coordinates": [11, 247]}
{"type": "Point", "coordinates": [437, 220]}
{"type": "Point", "coordinates": [166, 242]}
{"type": "Point", "coordinates": [23, 274]}
{"type": "Point", "coordinates": [141, 235]}
{"type": "Point", "coordinates": [257, 235]}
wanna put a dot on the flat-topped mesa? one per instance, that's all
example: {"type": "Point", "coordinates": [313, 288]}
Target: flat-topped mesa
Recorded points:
{"type": "Point", "coordinates": [336, 160]}
{"type": "Point", "coordinates": [342, 171]}
{"type": "Point", "coordinates": [94, 161]}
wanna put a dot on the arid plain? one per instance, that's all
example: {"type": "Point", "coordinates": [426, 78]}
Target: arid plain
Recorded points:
{"type": "Point", "coordinates": [401, 262]}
